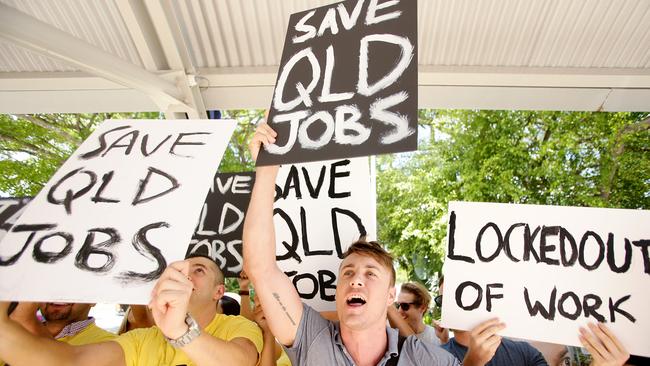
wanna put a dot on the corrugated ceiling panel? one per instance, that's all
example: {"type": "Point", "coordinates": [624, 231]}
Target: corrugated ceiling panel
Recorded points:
{"type": "Point", "coordinates": [97, 22]}
{"type": "Point", "coordinates": [539, 33]}
{"type": "Point", "coordinates": [517, 33]}
{"type": "Point", "coordinates": [238, 32]}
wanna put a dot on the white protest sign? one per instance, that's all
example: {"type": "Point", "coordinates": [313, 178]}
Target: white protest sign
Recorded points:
{"type": "Point", "coordinates": [121, 208]}
{"type": "Point", "coordinates": [320, 209]}
{"type": "Point", "coordinates": [10, 211]}
{"type": "Point", "coordinates": [547, 270]}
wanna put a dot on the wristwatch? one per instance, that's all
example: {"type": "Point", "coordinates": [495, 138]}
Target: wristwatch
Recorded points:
{"type": "Point", "coordinates": [192, 333]}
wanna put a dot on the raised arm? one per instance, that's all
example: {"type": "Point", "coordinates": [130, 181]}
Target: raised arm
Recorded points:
{"type": "Point", "coordinates": [274, 289]}
{"type": "Point", "coordinates": [19, 347]}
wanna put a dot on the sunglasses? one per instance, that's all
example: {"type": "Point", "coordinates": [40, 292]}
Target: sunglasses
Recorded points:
{"type": "Point", "coordinates": [438, 300]}
{"type": "Point", "coordinates": [405, 305]}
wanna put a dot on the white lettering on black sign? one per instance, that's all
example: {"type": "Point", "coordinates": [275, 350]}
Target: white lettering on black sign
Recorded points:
{"type": "Point", "coordinates": [347, 84]}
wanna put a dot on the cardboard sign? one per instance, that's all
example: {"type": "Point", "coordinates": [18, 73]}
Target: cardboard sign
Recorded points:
{"type": "Point", "coordinates": [320, 209]}
{"type": "Point", "coordinates": [120, 209]}
{"type": "Point", "coordinates": [10, 210]}
{"type": "Point", "coordinates": [546, 270]}
{"type": "Point", "coordinates": [347, 84]}
{"type": "Point", "coordinates": [219, 232]}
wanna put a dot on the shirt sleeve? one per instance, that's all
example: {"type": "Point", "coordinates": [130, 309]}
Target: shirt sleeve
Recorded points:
{"type": "Point", "coordinates": [130, 343]}
{"type": "Point", "coordinates": [421, 353]}
{"type": "Point", "coordinates": [244, 328]}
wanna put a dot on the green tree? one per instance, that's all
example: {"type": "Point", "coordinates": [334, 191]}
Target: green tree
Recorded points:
{"type": "Point", "coordinates": [33, 147]}
{"type": "Point", "coordinates": [551, 158]}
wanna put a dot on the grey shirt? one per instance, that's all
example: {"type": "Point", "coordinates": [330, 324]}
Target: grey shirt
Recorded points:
{"type": "Point", "coordinates": [318, 342]}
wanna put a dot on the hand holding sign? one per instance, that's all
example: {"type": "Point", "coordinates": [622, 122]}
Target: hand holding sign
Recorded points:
{"type": "Point", "coordinates": [264, 136]}
{"type": "Point", "coordinates": [604, 347]}
{"type": "Point", "coordinates": [483, 342]}
{"type": "Point", "coordinates": [170, 299]}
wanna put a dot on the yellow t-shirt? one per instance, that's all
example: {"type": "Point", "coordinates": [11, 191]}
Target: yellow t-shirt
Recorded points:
{"type": "Point", "coordinates": [92, 334]}
{"type": "Point", "coordinates": [148, 346]}
{"type": "Point", "coordinates": [283, 360]}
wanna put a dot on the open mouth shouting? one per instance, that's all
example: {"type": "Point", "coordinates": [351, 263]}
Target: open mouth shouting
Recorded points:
{"type": "Point", "coordinates": [355, 300]}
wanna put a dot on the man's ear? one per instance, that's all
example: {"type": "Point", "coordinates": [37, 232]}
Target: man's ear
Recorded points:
{"type": "Point", "coordinates": [391, 296]}
{"type": "Point", "coordinates": [219, 290]}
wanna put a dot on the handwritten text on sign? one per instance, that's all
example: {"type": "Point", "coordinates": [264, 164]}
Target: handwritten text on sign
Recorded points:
{"type": "Point", "coordinates": [545, 271]}
{"type": "Point", "coordinates": [347, 84]}
{"type": "Point", "coordinates": [10, 211]}
{"type": "Point", "coordinates": [219, 231]}
{"type": "Point", "coordinates": [118, 211]}
{"type": "Point", "coordinates": [320, 209]}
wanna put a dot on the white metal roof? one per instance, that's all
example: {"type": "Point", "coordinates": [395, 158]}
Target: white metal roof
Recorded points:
{"type": "Point", "coordinates": [189, 55]}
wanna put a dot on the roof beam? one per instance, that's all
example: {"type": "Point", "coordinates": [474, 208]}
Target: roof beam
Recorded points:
{"type": "Point", "coordinates": [137, 21]}
{"type": "Point", "coordinates": [176, 52]}
{"type": "Point", "coordinates": [466, 88]}
{"type": "Point", "coordinates": [43, 38]}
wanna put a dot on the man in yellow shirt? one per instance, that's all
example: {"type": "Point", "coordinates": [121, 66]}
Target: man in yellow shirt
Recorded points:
{"type": "Point", "coordinates": [65, 322]}
{"type": "Point", "coordinates": [188, 329]}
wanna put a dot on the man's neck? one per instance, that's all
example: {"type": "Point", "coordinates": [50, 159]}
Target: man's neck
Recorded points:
{"type": "Point", "coordinates": [205, 315]}
{"type": "Point", "coordinates": [56, 326]}
{"type": "Point", "coordinates": [417, 326]}
{"type": "Point", "coordinates": [366, 346]}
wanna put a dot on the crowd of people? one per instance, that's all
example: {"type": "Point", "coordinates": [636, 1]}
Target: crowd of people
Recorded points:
{"type": "Point", "coordinates": [189, 322]}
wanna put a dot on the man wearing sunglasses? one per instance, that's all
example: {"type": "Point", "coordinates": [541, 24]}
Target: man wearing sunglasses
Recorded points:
{"type": "Point", "coordinates": [413, 302]}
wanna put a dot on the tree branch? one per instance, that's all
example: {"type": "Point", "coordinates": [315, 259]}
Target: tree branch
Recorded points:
{"type": "Point", "coordinates": [37, 150]}
{"type": "Point", "coordinates": [50, 127]}
{"type": "Point", "coordinates": [618, 150]}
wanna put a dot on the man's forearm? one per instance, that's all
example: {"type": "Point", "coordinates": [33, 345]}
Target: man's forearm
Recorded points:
{"type": "Point", "coordinates": [259, 232]}
{"type": "Point", "coordinates": [208, 350]}
{"type": "Point", "coordinates": [18, 347]}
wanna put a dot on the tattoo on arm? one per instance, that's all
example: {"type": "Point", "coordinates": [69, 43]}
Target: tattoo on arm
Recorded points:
{"type": "Point", "coordinates": [277, 297]}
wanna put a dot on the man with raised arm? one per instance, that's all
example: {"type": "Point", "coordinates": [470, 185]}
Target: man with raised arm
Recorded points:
{"type": "Point", "coordinates": [188, 329]}
{"type": "Point", "coordinates": [364, 291]}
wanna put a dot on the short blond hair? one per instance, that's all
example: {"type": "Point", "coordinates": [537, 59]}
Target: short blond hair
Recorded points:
{"type": "Point", "coordinates": [420, 293]}
{"type": "Point", "coordinates": [374, 250]}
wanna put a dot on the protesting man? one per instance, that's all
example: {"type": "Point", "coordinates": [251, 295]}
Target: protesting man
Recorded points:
{"type": "Point", "coordinates": [364, 291]}
{"type": "Point", "coordinates": [413, 302]}
{"type": "Point", "coordinates": [188, 329]}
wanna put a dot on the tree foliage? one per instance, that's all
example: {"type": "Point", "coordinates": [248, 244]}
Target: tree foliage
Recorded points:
{"type": "Point", "coordinates": [554, 158]}
{"type": "Point", "coordinates": [33, 147]}
{"type": "Point", "coordinates": [550, 158]}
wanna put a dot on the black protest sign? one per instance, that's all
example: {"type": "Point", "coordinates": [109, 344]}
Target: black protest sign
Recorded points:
{"type": "Point", "coordinates": [573, 265]}
{"type": "Point", "coordinates": [219, 232]}
{"type": "Point", "coordinates": [10, 210]}
{"type": "Point", "coordinates": [320, 209]}
{"type": "Point", "coordinates": [347, 83]}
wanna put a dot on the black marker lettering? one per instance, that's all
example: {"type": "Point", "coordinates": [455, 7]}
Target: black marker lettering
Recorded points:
{"type": "Point", "coordinates": [89, 248]}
